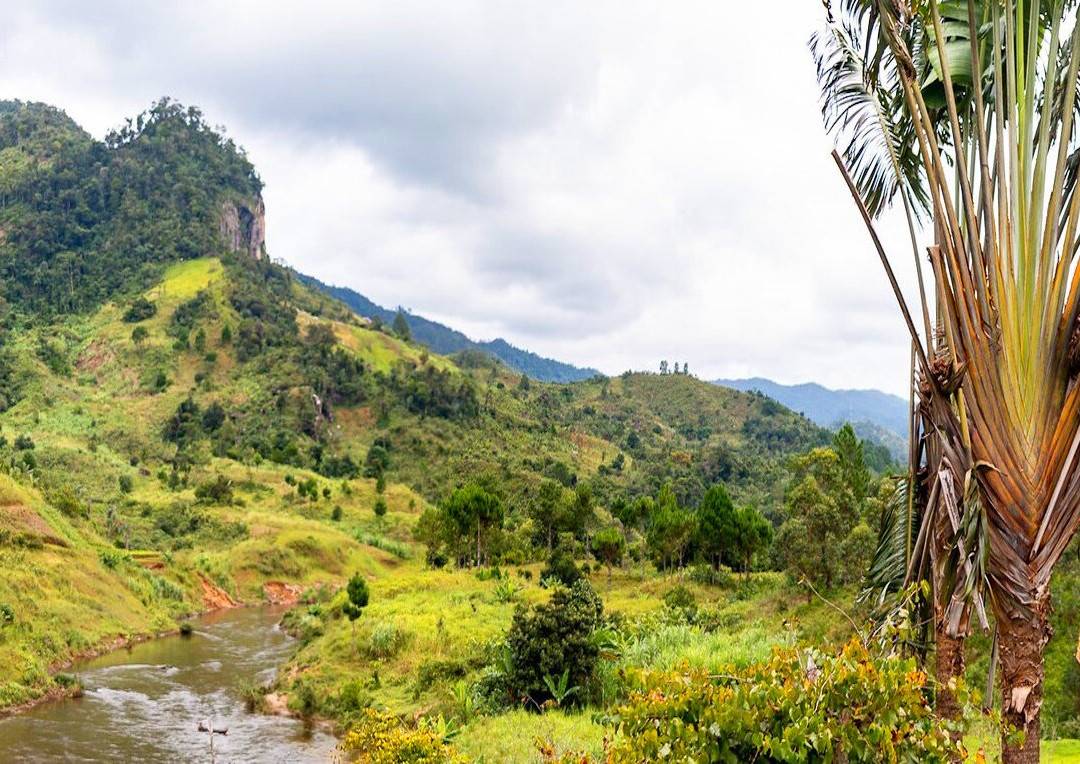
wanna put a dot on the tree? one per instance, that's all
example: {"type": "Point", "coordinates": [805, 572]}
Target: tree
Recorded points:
{"type": "Point", "coordinates": [357, 600]}
{"type": "Point", "coordinates": [472, 512]}
{"type": "Point", "coordinates": [671, 530]}
{"type": "Point", "coordinates": [821, 512]}
{"type": "Point", "coordinates": [554, 638]}
{"type": "Point", "coordinates": [549, 511]}
{"type": "Point", "coordinates": [380, 508]}
{"type": "Point", "coordinates": [852, 462]}
{"type": "Point", "coordinates": [139, 335]}
{"type": "Point", "coordinates": [401, 326]}
{"type": "Point", "coordinates": [753, 534]}
{"type": "Point", "coordinates": [716, 525]}
{"type": "Point", "coordinates": [609, 546]}
{"type": "Point", "coordinates": [663, 367]}
{"type": "Point", "coordinates": [998, 400]}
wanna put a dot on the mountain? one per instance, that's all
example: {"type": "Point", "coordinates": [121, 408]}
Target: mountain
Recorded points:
{"type": "Point", "coordinates": [830, 408]}
{"type": "Point", "coordinates": [446, 341]}
{"type": "Point", "coordinates": [184, 422]}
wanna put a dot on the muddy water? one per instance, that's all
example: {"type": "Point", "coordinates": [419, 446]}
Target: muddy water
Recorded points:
{"type": "Point", "coordinates": [145, 704]}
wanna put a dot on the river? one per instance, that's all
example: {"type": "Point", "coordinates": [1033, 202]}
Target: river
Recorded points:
{"type": "Point", "coordinates": [145, 704]}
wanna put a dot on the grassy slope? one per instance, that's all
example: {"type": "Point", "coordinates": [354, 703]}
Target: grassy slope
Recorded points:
{"type": "Point", "coordinates": [86, 428]}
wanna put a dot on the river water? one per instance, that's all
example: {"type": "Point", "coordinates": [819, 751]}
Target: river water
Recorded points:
{"type": "Point", "coordinates": [145, 704]}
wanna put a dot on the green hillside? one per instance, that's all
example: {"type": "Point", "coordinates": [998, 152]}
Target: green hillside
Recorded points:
{"type": "Point", "coordinates": [184, 422]}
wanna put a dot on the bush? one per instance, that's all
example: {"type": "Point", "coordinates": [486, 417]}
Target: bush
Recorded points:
{"type": "Point", "coordinates": [7, 614]}
{"type": "Point", "coordinates": [140, 310]}
{"type": "Point", "coordinates": [126, 483]}
{"type": "Point", "coordinates": [216, 491]}
{"type": "Point", "coordinates": [800, 705]}
{"type": "Point", "coordinates": [336, 514]}
{"type": "Point", "coordinates": [560, 567]}
{"type": "Point", "coordinates": [554, 638]}
{"type": "Point", "coordinates": [381, 738]}
{"type": "Point", "coordinates": [680, 598]}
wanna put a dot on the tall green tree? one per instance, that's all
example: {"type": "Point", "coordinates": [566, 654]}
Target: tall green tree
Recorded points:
{"type": "Point", "coordinates": [401, 326]}
{"type": "Point", "coordinates": [353, 608]}
{"type": "Point", "coordinates": [753, 535]}
{"type": "Point", "coordinates": [821, 512]}
{"type": "Point", "coordinates": [716, 525]}
{"type": "Point", "coordinates": [609, 546]}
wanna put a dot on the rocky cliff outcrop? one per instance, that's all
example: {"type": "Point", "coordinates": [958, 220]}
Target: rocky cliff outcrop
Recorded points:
{"type": "Point", "coordinates": [243, 229]}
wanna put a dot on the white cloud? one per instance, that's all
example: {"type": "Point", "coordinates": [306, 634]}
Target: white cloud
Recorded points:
{"type": "Point", "coordinates": [608, 183]}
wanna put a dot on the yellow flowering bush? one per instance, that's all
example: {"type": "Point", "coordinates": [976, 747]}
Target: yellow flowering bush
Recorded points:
{"type": "Point", "coordinates": [381, 738]}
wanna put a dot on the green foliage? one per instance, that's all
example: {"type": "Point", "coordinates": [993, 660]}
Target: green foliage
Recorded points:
{"type": "Point", "coordinates": [218, 490]}
{"type": "Point", "coordinates": [380, 507]}
{"type": "Point", "coordinates": [358, 597]}
{"type": "Point", "coordinates": [554, 638]}
{"type": "Point", "coordinates": [463, 525]}
{"type": "Point", "coordinates": [671, 531]}
{"type": "Point", "coordinates": [84, 220]}
{"type": "Point", "coordinates": [801, 705]}
{"type": "Point", "coordinates": [716, 531]}
{"type": "Point", "coordinates": [125, 483]}
{"type": "Point", "coordinates": [822, 512]}
{"type": "Point", "coordinates": [401, 326]}
{"type": "Point", "coordinates": [561, 568]}
{"type": "Point", "coordinates": [680, 598]}
{"type": "Point", "coordinates": [140, 310]}
{"type": "Point", "coordinates": [609, 546]}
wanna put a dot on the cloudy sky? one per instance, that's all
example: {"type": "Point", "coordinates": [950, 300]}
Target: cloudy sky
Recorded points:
{"type": "Point", "coordinates": [610, 184]}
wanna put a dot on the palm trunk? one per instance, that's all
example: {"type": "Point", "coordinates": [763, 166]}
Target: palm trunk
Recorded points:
{"type": "Point", "coordinates": [948, 664]}
{"type": "Point", "coordinates": [1022, 633]}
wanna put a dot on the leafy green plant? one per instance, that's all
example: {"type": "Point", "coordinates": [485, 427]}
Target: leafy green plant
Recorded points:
{"type": "Point", "coordinates": [559, 689]}
{"type": "Point", "coordinates": [801, 705]}
{"type": "Point", "coordinates": [506, 590]}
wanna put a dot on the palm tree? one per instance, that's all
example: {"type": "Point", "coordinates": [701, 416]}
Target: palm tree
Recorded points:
{"type": "Point", "coordinates": [1000, 388]}
{"type": "Point", "coordinates": [864, 106]}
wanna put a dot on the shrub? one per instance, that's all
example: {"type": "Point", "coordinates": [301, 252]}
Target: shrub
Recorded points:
{"type": "Point", "coordinates": [554, 638]}
{"type": "Point", "coordinates": [7, 614]}
{"type": "Point", "coordinates": [24, 443]}
{"type": "Point", "coordinates": [560, 567]}
{"type": "Point", "coordinates": [336, 514]}
{"type": "Point", "coordinates": [381, 738]}
{"type": "Point", "coordinates": [126, 483]}
{"type": "Point", "coordinates": [800, 705]}
{"type": "Point", "coordinates": [216, 491]}
{"type": "Point", "coordinates": [680, 598]}
{"type": "Point", "coordinates": [140, 310]}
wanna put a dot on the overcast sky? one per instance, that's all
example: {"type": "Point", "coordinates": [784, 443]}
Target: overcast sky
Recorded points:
{"type": "Point", "coordinates": [609, 184]}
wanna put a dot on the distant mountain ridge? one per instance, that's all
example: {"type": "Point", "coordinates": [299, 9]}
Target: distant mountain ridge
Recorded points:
{"type": "Point", "coordinates": [829, 408]}
{"type": "Point", "coordinates": [443, 340]}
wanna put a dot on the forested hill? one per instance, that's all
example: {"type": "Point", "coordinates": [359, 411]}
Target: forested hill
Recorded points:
{"type": "Point", "coordinates": [446, 341]}
{"type": "Point", "coordinates": [81, 219]}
